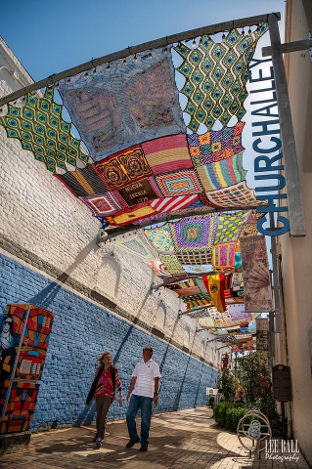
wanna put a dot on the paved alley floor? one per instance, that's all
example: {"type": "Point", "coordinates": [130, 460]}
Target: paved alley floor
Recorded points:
{"type": "Point", "coordinates": [185, 439]}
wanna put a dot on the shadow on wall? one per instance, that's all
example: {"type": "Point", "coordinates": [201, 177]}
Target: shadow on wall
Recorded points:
{"type": "Point", "coordinates": [179, 393]}
{"type": "Point", "coordinates": [205, 346]}
{"type": "Point", "coordinates": [161, 365]}
{"type": "Point", "coordinates": [47, 295]}
{"type": "Point", "coordinates": [180, 385]}
{"type": "Point", "coordinates": [131, 327]}
{"type": "Point", "coordinates": [87, 415]}
{"type": "Point", "coordinates": [108, 275]}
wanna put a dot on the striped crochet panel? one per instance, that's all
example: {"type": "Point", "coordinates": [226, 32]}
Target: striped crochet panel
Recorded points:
{"type": "Point", "coordinates": [222, 174]}
{"type": "Point", "coordinates": [193, 301]}
{"type": "Point", "coordinates": [83, 182]}
{"type": "Point", "coordinates": [223, 256]}
{"type": "Point", "coordinates": [168, 154]}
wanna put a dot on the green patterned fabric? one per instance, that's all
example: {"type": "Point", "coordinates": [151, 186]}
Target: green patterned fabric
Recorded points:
{"type": "Point", "coordinates": [228, 227]}
{"type": "Point", "coordinates": [40, 128]}
{"type": "Point", "coordinates": [171, 263]}
{"type": "Point", "coordinates": [139, 246]}
{"type": "Point", "coordinates": [216, 76]}
{"type": "Point", "coordinates": [160, 238]}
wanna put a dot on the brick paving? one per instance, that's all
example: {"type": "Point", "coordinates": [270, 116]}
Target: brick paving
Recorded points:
{"type": "Point", "coordinates": [185, 439]}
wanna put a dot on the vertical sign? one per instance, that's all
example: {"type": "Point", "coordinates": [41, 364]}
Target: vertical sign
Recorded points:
{"type": "Point", "coordinates": [281, 383]}
{"type": "Point", "coordinates": [262, 334]}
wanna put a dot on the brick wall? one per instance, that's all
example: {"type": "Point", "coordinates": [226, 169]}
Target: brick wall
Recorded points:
{"type": "Point", "coordinates": [81, 331]}
{"type": "Point", "coordinates": [98, 295]}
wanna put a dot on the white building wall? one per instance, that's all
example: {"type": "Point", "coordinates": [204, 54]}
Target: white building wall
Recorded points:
{"type": "Point", "coordinates": [297, 252]}
{"type": "Point", "coordinates": [44, 225]}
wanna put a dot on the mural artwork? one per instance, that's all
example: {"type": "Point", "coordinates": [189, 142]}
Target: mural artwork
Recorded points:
{"type": "Point", "coordinates": [27, 326]}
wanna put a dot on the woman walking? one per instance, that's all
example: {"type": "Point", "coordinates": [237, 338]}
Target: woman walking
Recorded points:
{"type": "Point", "coordinates": [103, 389]}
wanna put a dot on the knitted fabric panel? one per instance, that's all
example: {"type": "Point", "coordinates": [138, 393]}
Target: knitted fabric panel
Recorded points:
{"type": "Point", "coordinates": [227, 227]}
{"type": "Point", "coordinates": [127, 104]}
{"type": "Point", "coordinates": [160, 238]}
{"type": "Point", "coordinates": [192, 233]}
{"type": "Point", "coordinates": [171, 263]}
{"type": "Point", "coordinates": [215, 145]}
{"type": "Point", "coordinates": [40, 128]}
{"type": "Point", "coordinates": [234, 196]}
{"type": "Point", "coordinates": [138, 245]}
{"type": "Point", "coordinates": [216, 76]}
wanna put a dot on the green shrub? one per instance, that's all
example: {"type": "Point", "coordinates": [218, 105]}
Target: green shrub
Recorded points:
{"type": "Point", "coordinates": [239, 404]}
{"type": "Point", "coordinates": [215, 414]}
{"type": "Point", "coordinates": [211, 401]}
{"type": "Point", "coordinates": [268, 408]}
{"type": "Point", "coordinates": [228, 414]}
{"type": "Point", "coordinates": [228, 382]}
{"type": "Point", "coordinates": [233, 416]}
{"type": "Point", "coordinates": [219, 412]}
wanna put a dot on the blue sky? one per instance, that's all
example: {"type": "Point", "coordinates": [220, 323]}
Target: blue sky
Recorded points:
{"type": "Point", "coordinates": [48, 37]}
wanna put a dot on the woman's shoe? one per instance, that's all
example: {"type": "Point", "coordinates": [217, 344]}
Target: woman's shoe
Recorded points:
{"type": "Point", "coordinates": [98, 442]}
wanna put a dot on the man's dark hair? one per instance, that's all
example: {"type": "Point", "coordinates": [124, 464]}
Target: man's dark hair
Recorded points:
{"type": "Point", "coordinates": [149, 348]}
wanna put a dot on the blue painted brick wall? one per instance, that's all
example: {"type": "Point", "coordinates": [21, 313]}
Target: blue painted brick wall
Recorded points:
{"type": "Point", "coordinates": [81, 331]}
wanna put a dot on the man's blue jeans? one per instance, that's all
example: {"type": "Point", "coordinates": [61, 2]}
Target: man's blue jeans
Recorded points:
{"type": "Point", "coordinates": [146, 406]}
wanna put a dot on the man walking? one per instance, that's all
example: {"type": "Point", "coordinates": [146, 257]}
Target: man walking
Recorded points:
{"type": "Point", "coordinates": [144, 387]}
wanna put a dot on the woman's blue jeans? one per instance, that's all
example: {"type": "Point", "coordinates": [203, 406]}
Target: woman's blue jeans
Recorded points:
{"type": "Point", "coordinates": [146, 406]}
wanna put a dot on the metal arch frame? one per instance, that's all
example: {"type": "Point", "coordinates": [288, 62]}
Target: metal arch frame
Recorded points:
{"type": "Point", "coordinates": [162, 42]}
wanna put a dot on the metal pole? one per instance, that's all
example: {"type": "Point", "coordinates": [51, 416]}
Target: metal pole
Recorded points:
{"type": "Point", "coordinates": [162, 42]}
{"type": "Point", "coordinates": [288, 47]}
{"type": "Point", "coordinates": [296, 217]}
{"type": "Point", "coordinates": [105, 236]}
{"type": "Point", "coordinates": [224, 346]}
{"type": "Point", "coordinates": [8, 394]}
{"type": "Point", "coordinates": [276, 282]}
{"type": "Point", "coordinates": [164, 284]}
{"type": "Point", "coordinates": [193, 310]}
{"type": "Point", "coordinates": [213, 340]}
{"type": "Point", "coordinates": [271, 339]}
{"type": "Point", "coordinates": [284, 431]}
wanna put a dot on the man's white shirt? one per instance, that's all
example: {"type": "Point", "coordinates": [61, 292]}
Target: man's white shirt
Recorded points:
{"type": "Point", "coordinates": [145, 372]}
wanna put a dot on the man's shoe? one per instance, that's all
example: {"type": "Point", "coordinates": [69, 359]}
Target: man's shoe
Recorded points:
{"type": "Point", "coordinates": [132, 443]}
{"type": "Point", "coordinates": [95, 438]}
{"type": "Point", "coordinates": [98, 442]}
{"type": "Point", "coordinates": [144, 448]}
